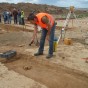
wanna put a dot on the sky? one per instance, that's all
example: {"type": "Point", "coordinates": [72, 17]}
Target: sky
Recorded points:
{"type": "Point", "coordinates": [60, 3]}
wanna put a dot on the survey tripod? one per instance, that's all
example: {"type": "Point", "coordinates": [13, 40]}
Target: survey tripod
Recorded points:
{"type": "Point", "coordinates": [63, 31]}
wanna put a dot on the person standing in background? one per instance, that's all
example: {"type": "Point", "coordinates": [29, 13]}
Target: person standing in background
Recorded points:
{"type": "Point", "coordinates": [0, 18]}
{"type": "Point", "coordinates": [22, 18]}
{"type": "Point", "coordinates": [5, 16]}
{"type": "Point", "coordinates": [10, 17]}
{"type": "Point", "coordinates": [15, 13]}
{"type": "Point", "coordinates": [19, 16]}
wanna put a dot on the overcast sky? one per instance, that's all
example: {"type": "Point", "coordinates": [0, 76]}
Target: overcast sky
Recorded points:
{"type": "Point", "coordinates": [61, 3]}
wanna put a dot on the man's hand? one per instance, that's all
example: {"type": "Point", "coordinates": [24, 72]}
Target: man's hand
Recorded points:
{"type": "Point", "coordinates": [34, 35]}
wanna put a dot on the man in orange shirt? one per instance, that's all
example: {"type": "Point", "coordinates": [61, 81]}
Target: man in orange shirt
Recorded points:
{"type": "Point", "coordinates": [47, 23]}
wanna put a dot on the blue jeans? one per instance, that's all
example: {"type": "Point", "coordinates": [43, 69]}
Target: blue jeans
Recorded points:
{"type": "Point", "coordinates": [19, 19]}
{"type": "Point", "coordinates": [10, 19]}
{"type": "Point", "coordinates": [51, 38]}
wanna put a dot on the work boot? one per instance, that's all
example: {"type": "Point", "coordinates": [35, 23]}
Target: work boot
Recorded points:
{"type": "Point", "coordinates": [38, 53]}
{"type": "Point", "coordinates": [49, 56]}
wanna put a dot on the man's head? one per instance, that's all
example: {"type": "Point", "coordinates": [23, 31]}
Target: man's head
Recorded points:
{"type": "Point", "coordinates": [32, 18]}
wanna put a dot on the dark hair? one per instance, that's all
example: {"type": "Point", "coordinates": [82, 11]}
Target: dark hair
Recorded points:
{"type": "Point", "coordinates": [31, 16]}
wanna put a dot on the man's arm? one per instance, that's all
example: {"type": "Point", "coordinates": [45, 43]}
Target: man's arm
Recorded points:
{"type": "Point", "coordinates": [34, 34]}
{"type": "Point", "coordinates": [35, 31]}
{"type": "Point", "coordinates": [46, 21]}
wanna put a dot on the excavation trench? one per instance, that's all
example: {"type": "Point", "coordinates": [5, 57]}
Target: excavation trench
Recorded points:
{"type": "Point", "coordinates": [47, 73]}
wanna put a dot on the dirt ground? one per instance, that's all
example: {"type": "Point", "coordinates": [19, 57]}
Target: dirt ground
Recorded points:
{"type": "Point", "coordinates": [67, 69]}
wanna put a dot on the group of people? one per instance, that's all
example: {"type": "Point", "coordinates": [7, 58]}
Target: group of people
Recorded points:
{"type": "Point", "coordinates": [7, 15]}
{"type": "Point", "coordinates": [16, 15]}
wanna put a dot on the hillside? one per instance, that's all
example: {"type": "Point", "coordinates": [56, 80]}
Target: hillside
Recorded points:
{"type": "Point", "coordinates": [27, 7]}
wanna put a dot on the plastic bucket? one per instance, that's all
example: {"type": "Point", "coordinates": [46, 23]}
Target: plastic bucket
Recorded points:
{"type": "Point", "coordinates": [55, 44]}
{"type": "Point", "coordinates": [67, 41]}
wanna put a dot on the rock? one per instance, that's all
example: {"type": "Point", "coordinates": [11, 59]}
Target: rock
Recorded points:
{"type": "Point", "coordinates": [21, 45]}
{"type": "Point", "coordinates": [27, 68]}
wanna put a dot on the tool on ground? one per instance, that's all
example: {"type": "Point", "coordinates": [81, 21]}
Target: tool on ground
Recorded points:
{"type": "Point", "coordinates": [8, 54]}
